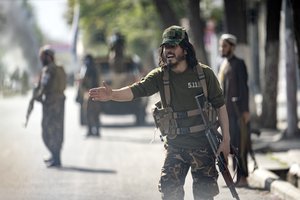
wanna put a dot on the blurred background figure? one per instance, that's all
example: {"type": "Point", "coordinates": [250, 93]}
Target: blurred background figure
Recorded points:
{"type": "Point", "coordinates": [50, 92]}
{"type": "Point", "coordinates": [116, 52]}
{"type": "Point", "coordinates": [89, 110]}
{"type": "Point", "coordinates": [233, 78]}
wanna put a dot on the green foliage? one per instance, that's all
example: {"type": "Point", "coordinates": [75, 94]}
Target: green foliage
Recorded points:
{"type": "Point", "coordinates": [135, 19]}
{"type": "Point", "coordinates": [179, 8]}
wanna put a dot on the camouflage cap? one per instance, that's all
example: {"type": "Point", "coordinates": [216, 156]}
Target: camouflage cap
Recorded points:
{"type": "Point", "coordinates": [173, 35]}
{"type": "Point", "coordinates": [231, 39]}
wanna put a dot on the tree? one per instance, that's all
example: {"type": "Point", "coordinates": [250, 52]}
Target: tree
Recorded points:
{"type": "Point", "coordinates": [296, 19]}
{"type": "Point", "coordinates": [236, 23]}
{"type": "Point", "coordinates": [269, 92]}
{"type": "Point", "coordinates": [291, 75]}
{"type": "Point", "coordinates": [166, 12]}
{"type": "Point", "coordinates": [197, 26]}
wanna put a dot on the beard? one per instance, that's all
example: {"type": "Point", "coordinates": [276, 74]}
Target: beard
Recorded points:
{"type": "Point", "coordinates": [172, 63]}
{"type": "Point", "coordinates": [226, 54]}
{"type": "Point", "coordinates": [45, 62]}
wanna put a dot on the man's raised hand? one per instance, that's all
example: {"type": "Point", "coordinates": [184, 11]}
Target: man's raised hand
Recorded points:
{"type": "Point", "coordinates": [103, 93]}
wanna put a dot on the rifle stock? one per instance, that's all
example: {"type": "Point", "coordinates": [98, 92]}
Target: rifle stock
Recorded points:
{"type": "Point", "coordinates": [214, 139]}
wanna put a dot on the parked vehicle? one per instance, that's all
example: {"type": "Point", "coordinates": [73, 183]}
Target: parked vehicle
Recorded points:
{"type": "Point", "coordinates": [130, 73]}
{"type": "Point", "coordinates": [118, 70]}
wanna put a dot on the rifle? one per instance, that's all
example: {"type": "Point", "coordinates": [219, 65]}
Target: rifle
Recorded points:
{"type": "Point", "coordinates": [31, 104]}
{"type": "Point", "coordinates": [29, 110]}
{"type": "Point", "coordinates": [214, 139]}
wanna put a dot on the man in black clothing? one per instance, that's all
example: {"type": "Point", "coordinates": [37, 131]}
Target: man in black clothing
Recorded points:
{"type": "Point", "coordinates": [90, 108]}
{"type": "Point", "coordinates": [233, 78]}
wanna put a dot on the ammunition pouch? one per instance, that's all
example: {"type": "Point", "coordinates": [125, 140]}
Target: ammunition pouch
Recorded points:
{"type": "Point", "coordinates": [211, 113]}
{"type": "Point", "coordinates": [163, 118]}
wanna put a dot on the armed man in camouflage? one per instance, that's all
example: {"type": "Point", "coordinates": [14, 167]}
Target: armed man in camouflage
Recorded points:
{"type": "Point", "coordinates": [50, 92]}
{"type": "Point", "coordinates": [178, 81]}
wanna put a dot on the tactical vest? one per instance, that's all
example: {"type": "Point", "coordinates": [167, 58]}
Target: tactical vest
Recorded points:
{"type": "Point", "coordinates": [58, 84]}
{"type": "Point", "coordinates": [166, 119]}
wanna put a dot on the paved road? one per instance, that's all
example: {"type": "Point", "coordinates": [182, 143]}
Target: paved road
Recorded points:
{"type": "Point", "coordinates": [123, 165]}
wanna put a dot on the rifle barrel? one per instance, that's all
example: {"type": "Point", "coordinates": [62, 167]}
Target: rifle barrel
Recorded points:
{"type": "Point", "coordinates": [29, 110]}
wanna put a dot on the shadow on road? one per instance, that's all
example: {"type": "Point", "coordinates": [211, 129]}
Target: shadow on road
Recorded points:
{"type": "Point", "coordinates": [86, 170]}
{"type": "Point", "coordinates": [125, 125]}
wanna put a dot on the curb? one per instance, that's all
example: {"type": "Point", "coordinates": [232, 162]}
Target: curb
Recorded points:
{"type": "Point", "coordinates": [269, 181]}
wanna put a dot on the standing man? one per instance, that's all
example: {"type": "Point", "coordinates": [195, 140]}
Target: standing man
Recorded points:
{"type": "Point", "coordinates": [233, 77]}
{"type": "Point", "coordinates": [90, 108]}
{"type": "Point", "coordinates": [50, 92]}
{"type": "Point", "coordinates": [177, 81]}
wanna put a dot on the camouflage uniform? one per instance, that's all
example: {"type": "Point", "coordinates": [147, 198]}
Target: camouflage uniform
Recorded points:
{"type": "Point", "coordinates": [53, 125]}
{"type": "Point", "coordinates": [50, 92]}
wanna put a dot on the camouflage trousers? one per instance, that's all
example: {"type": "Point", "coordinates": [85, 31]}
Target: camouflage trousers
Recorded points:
{"type": "Point", "coordinates": [53, 125]}
{"type": "Point", "coordinates": [176, 166]}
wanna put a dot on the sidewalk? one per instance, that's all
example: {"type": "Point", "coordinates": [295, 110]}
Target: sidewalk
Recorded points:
{"type": "Point", "coordinates": [275, 156]}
